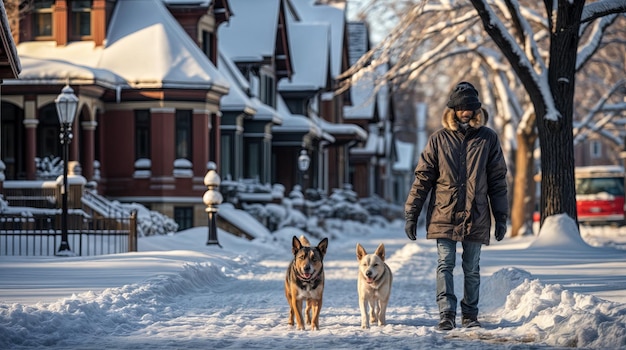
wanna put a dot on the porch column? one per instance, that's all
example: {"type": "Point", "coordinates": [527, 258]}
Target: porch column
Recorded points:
{"type": "Point", "coordinates": [88, 143]}
{"type": "Point", "coordinates": [31, 147]}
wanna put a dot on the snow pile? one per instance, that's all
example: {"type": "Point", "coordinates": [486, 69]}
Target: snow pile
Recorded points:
{"type": "Point", "coordinates": [563, 318]}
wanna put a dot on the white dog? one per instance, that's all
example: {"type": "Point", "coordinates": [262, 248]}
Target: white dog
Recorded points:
{"type": "Point", "coordinates": [374, 285]}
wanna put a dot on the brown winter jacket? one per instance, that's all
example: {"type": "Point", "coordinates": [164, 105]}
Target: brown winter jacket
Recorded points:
{"type": "Point", "coordinates": [463, 172]}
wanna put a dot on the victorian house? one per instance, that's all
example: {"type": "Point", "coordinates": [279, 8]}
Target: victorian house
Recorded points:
{"type": "Point", "coordinates": [168, 87]}
{"type": "Point", "coordinates": [149, 98]}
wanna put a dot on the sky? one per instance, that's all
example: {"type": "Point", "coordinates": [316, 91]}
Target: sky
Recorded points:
{"type": "Point", "coordinates": [558, 289]}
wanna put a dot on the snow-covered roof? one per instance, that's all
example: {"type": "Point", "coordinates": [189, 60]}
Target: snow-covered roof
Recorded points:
{"type": "Point", "coordinates": [404, 162]}
{"type": "Point", "coordinates": [340, 129]}
{"type": "Point", "coordinates": [375, 144]}
{"type": "Point", "coordinates": [333, 14]}
{"type": "Point", "coordinates": [250, 34]}
{"type": "Point", "coordinates": [59, 71]}
{"type": "Point", "coordinates": [294, 122]}
{"type": "Point", "coordinates": [310, 54]}
{"type": "Point", "coordinates": [153, 50]}
{"type": "Point", "coordinates": [146, 51]}
{"type": "Point", "coordinates": [237, 98]}
{"type": "Point", "coordinates": [265, 112]}
{"type": "Point", "coordinates": [363, 95]}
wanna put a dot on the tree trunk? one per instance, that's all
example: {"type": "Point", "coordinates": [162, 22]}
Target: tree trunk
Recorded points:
{"type": "Point", "coordinates": [524, 194]}
{"type": "Point", "coordinates": [558, 193]}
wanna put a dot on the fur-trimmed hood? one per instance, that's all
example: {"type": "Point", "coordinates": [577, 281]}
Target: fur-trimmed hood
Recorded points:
{"type": "Point", "coordinates": [448, 120]}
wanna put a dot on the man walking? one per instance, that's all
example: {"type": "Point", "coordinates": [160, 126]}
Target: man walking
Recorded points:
{"type": "Point", "coordinates": [463, 169]}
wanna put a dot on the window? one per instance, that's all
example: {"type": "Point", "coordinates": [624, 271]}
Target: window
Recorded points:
{"type": "Point", "coordinates": [267, 93]}
{"type": "Point", "coordinates": [183, 134]}
{"type": "Point", "coordinates": [183, 217]}
{"type": "Point", "coordinates": [80, 19]}
{"type": "Point", "coordinates": [227, 157]}
{"type": "Point", "coordinates": [42, 19]}
{"type": "Point", "coordinates": [207, 44]}
{"type": "Point", "coordinates": [253, 159]}
{"type": "Point", "coordinates": [142, 134]}
{"type": "Point", "coordinates": [596, 149]}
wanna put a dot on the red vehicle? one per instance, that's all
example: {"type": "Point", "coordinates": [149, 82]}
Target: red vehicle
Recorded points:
{"type": "Point", "coordinates": [600, 194]}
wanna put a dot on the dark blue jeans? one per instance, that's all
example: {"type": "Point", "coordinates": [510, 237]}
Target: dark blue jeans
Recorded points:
{"type": "Point", "coordinates": [446, 299]}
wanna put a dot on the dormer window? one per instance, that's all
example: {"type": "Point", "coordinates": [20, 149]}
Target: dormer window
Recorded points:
{"type": "Point", "coordinates": [80, 19]}
{"type": "Point", "coordinates": [42, 19]}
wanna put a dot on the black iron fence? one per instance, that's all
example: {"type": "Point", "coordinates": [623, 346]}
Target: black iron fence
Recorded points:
{"type": "Point", "coordinates": [40, 235]}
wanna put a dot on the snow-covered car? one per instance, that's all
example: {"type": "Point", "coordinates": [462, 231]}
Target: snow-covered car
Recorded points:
{"type": "Point", "coordinates": [600, 194]}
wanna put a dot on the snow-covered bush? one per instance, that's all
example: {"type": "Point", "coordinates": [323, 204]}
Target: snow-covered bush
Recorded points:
{"type": "Point", "coordinates": [150, 222]}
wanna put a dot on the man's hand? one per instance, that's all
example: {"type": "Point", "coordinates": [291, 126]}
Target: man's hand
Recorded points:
{"type": "Point", "coordinates": [410, 228]}
{"type": "Point", "coordinates": [500, 230]}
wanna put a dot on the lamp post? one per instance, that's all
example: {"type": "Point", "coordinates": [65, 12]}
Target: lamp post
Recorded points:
{"type": "Point", "coordinates": [212, 199]}
{"type": "Point", "coordinates": [66, 104]}
{"type": "Point", "coordinates": [303, 164]}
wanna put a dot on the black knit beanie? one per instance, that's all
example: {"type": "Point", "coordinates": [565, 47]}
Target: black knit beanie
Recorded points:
{"type": "Point", "coordinates": [464, 94]}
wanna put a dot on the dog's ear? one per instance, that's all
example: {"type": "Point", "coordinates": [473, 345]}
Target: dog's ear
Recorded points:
{"type": "Point", "coordinates": [360, 252]}
{"type": "Point", "coordinates": [295, 245]}
{"type": "Point", "coordinates": [322, 246]}
{"type": "Point", "coordinates": [305, 242]}
{"type": "Point", "coordinates": [380, 251]}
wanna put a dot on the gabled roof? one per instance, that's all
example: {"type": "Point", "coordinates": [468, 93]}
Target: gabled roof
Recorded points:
{"type": "Point", "coordinates": [149, 48]}
{"type": "Point", "coordinates": [310, 44]}
{"type": "Point", "coordinates": [310, 11]}
{"type": "Point", "coordinates": [146, 51]}
{"type": "Point", "coordinates": [238, 98]}
{"type": "Point", "coordinates": [250, 34]}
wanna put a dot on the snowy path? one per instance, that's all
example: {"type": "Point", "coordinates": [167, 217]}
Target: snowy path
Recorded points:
{"type": "Point", "coordinates": [246, 308]}
{"type": "Point", "coordinates": [236, 301]}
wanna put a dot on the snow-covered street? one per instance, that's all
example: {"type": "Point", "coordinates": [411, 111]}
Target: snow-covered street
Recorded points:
{"type": "Point", "coordinates": [176, 293]}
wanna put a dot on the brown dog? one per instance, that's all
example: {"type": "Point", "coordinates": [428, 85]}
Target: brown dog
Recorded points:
{"type": "Point", "coordinates": [305, 281]}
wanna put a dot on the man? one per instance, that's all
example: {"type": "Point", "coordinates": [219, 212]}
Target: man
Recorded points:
{"type": "Point", "coordinates": [463, 169]}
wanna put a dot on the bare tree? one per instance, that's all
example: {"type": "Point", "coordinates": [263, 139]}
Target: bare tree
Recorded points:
{"type": "Point", "coordinates": [551, 87]}
{"type": "Point", "coordinates": [526, 71]}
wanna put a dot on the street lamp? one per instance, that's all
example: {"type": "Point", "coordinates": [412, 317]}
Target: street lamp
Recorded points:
{"type": "Point", "coordinates": [303, 163]}
{"type": "Point", "coordinates": [212, 199]}
{"type": "Point", "coordinates": [66, 104]}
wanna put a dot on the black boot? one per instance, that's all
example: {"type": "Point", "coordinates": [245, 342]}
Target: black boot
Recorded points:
{"type": "Point", "coordinates": [470, 321]}
{"type": "Point", "coordinates": [447, 321]}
